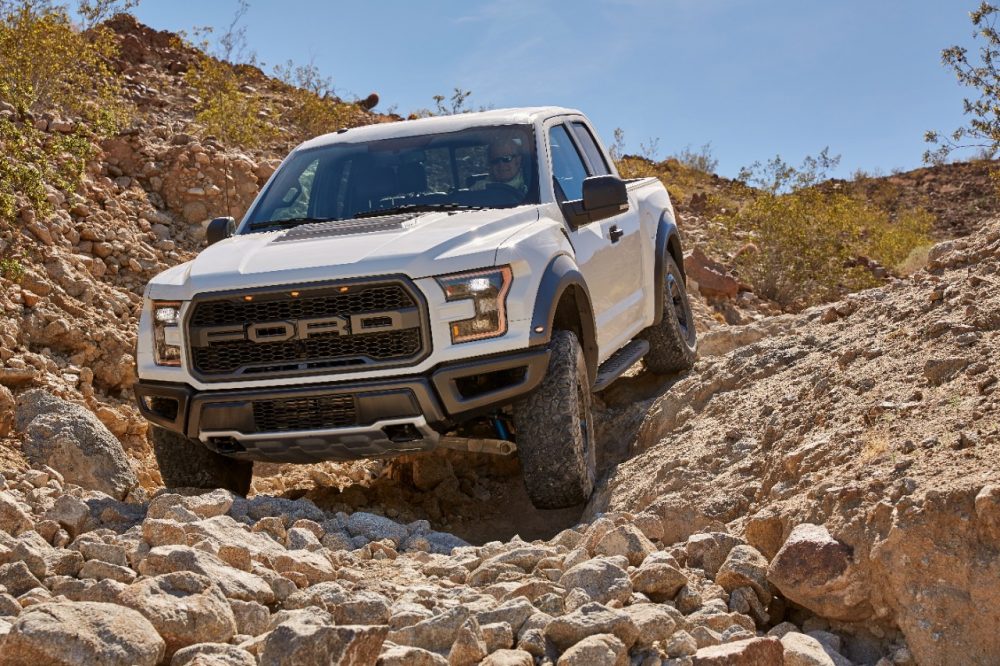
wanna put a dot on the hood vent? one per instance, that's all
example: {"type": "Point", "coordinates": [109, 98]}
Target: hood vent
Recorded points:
{"type": "Point", "coordinates": [347, 227]}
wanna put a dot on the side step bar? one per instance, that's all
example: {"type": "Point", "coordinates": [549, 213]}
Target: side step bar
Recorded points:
{"type": "Point", "coordinates": [620, 361]}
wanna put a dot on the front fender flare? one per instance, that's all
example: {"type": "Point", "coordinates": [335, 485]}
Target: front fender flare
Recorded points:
{"type": "Point", "coordinates": [560, 276]}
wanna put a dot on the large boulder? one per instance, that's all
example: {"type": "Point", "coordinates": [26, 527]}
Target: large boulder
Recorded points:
{"type": "Point", "coordinates": [68, 634]}
{"type": "Point", "coordinates": [185, 608]}
{"type": "Point", "coordinates": [235, 584]}
{"type": "Point", "coordinates": [309, 640]}
{"type": "Point", "coordinates": [818, 572]}
{"type": "Point", "coordinates": [74, 442]}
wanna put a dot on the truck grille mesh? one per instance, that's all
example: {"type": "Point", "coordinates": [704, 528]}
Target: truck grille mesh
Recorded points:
{"type": "Point", "coordinates": [322, 352]}
{"type": "Point", "coordinates": [311, 413]}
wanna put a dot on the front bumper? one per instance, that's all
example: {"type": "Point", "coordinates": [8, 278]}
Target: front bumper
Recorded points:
{"type": "Point", "coordinates": [342, 420]}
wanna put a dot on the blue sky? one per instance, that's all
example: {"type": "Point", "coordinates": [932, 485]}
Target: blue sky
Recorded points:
{"type": "Point", "coordinates": [753, 77]}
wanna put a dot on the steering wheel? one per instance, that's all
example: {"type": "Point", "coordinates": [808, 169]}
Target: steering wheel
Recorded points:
{"type": "Point", "coordinates": [507, 194]}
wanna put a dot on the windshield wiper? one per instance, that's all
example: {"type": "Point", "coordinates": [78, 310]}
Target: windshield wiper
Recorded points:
{"type": "Point", "coordinates": [287, 224]}
{"type": "Point", "coordinates": [415, 208]}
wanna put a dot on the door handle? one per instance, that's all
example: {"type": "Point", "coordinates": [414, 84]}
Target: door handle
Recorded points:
{"type": "Point", "coordinates": [615, 233]}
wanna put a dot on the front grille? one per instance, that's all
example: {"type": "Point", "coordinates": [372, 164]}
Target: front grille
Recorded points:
{"type": "Point", "coordinates": [315, 413]}
{"type": "Point", "coordinates": [220, 331]}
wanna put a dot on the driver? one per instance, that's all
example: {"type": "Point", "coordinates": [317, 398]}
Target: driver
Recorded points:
{"type": "Point", "coordinates": [505, 166]}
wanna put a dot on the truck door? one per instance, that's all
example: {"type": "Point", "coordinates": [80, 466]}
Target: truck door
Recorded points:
{"type": "Point", "coordinates": [608, 251]}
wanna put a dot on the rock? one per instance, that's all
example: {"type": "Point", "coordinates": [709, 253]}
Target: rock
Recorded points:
{"type": "Point", "coordinates": [185, 608]}
{"type": "Point", "coordinates": [598, 649]}
{"type": "Point", "coordinates": [252, 618]}
{"type": "Point", "coordinates": [987, 505]}
{"type": "Point", "coordinates": [497, 636]}
{"type": "Point", "coordinates": [316, 567]}
{"type": "Point", "coordinates": [375, 528]}
{"type": "Point", "coordinates": [213, 654]}
{"type": "Point", "coordinates": [600, 579]}
{"type": "Point", "coordinates": [100, 570]}
{"type": "Point", "coordinates": [658, 580]}
{"type": "Point", "coordinates": [802, 650]}
{"type": "Point", "coordinates": [436, 634]}
{"type": "Point", "coordinates": [745, 567]}
{"type": "Point", "coordinates": [17, 578]}
{"type": "Point", "coordinates": [73, 441]}
{"type": "Point", "coordinates": [513, 613]}
{"type": "Point", "coordinates": [304, 640]}
{"type": "Point", "coordinates": [750, 652]}
{"type": "Point", "coordinates": [818, 572]}
{"type": "Point", "coordinates": [655, 623]}
{"type": "Point", "coordinates": [68, 634]}
{"type": "Point", "coordinates": [940, 370]}
{"type": "Point", "coordinates": [509, 658]}
{"type": "Point", "coordinates": [13, 516]}
{"type": "Point", "coordinates": [234, 583]}
{"type": "Point", "coordinates": [71, 513]}
{"type": "Point", "coordinates": [6, 411]}
{"type": "Point", "coordinates": [408, 655]}
{"type": "Point", "coordinates": [764, 532]}
{"type": "Point", "coordinates": [708, 551]}
{"type": "Point", "coordinates": [469, 646]}
{"type": "Point", "coordinates": [628, 541]}
{"type": "Point", "coordinates": [590, 620]}
{"type": "Point", "coordinates": [681, 644]}
{"type": "Point", "coordinates": [712, 277]}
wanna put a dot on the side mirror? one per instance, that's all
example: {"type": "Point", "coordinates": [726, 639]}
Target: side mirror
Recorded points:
{"type": "Point", "coordinates": [220, 228]}
{"type": "Point", "coordinates": [603, 197]}
{"type": "Point", "coordinates": [604, 192]}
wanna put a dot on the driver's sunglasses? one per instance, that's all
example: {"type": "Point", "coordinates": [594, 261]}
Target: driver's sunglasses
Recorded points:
{"type": "Point", "coordinates": [503, 159]}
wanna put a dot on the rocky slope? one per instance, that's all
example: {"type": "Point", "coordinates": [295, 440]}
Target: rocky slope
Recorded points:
{"type": "Point", "coordinates": [821, 488]}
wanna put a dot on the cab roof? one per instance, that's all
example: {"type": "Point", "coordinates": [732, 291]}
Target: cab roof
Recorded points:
{"type": "Point", "coordinates": [439, 124]}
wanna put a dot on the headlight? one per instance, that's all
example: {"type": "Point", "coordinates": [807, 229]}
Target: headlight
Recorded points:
{"type": "Point", "coordinates": [167, 332]}
{"type": "Point", "coordinates": [487, 289]}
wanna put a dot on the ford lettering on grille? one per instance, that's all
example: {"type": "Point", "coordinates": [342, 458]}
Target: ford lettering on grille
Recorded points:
{"type": "Point", "coordinates": [301, 329]}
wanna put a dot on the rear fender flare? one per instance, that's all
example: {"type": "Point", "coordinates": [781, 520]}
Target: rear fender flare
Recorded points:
{"type": "Point", "coordinates": [668, 244]}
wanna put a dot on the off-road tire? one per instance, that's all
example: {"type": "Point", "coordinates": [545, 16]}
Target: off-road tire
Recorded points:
{"type": "Point", "coordinates": [673, 343]}
{"type": "Point", "coordinates": [555, 431]}
{"type": "Point", "coordinates": [186, 463]}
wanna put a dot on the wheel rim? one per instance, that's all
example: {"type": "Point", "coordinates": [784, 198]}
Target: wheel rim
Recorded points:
{"type": "Point", "coordinates": [679, 305]}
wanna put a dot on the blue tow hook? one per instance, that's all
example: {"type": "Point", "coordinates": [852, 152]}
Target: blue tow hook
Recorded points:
{"type": "Point", "coordinates": [501, 429]}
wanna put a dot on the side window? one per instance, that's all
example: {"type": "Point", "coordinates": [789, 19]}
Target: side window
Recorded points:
{"type": "Point", "coordinates": [437, 162]}
{"type": "Point", "coordinates": [471, 164]}
{"type": "Point", "coordinates": [594, 154]}
{"type": "Point", "coordinates": [567, 166]}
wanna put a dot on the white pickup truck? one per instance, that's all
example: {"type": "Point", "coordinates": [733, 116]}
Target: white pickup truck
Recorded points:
{"type": "Point", "coordinates": [403, 286]}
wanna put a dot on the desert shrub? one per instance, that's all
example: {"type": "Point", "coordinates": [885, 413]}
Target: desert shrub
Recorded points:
{"type": "Point", "coordinates": [224, 109]}
{"type": "Point", "coordinates": [314, 108]}
{"type": "Point", "coordinates": [11, 268]}
{"type": "Point", "coordinates": [983, 76]}
{"type": "Point", "coordinates": [701, 159]}
{"type": "Point", "coordinates": [49, 66]}
{"type": "Point", "coordinates": [801, 243]}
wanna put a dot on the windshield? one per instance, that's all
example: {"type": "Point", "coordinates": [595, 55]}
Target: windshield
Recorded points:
{"type": "Point", "coordinates": [482, 167]}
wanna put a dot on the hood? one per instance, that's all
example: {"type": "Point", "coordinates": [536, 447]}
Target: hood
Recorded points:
{"type": "Point", "coordinates": [417, 245]}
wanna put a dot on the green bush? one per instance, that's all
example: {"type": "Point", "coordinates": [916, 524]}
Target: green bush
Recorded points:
{"type": "Point", "coordinates": [48, 66]}
{"type": "Point", "coordinates": [224, 110]}
{"type": "Point", "coordinates": [315, 109]}
{"type": "Point", "coordinates": [801, 244]}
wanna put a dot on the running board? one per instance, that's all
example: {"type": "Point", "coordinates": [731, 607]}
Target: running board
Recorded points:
{"type": "Point", "coordinates": [620, 361]}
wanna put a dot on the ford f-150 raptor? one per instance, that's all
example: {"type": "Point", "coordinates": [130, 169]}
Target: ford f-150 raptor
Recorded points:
{"type": "Point", "coordinates": [398, 286]}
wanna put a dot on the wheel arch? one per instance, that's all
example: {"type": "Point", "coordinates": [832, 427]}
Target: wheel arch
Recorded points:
{"type": "Point", "coordinates": [668, 244]}
{"type": "Point", "coordinates": [563, 303]}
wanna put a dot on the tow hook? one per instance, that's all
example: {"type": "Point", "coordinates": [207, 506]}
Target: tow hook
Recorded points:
{"type": "Point", "coordinates": [500, 447]}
